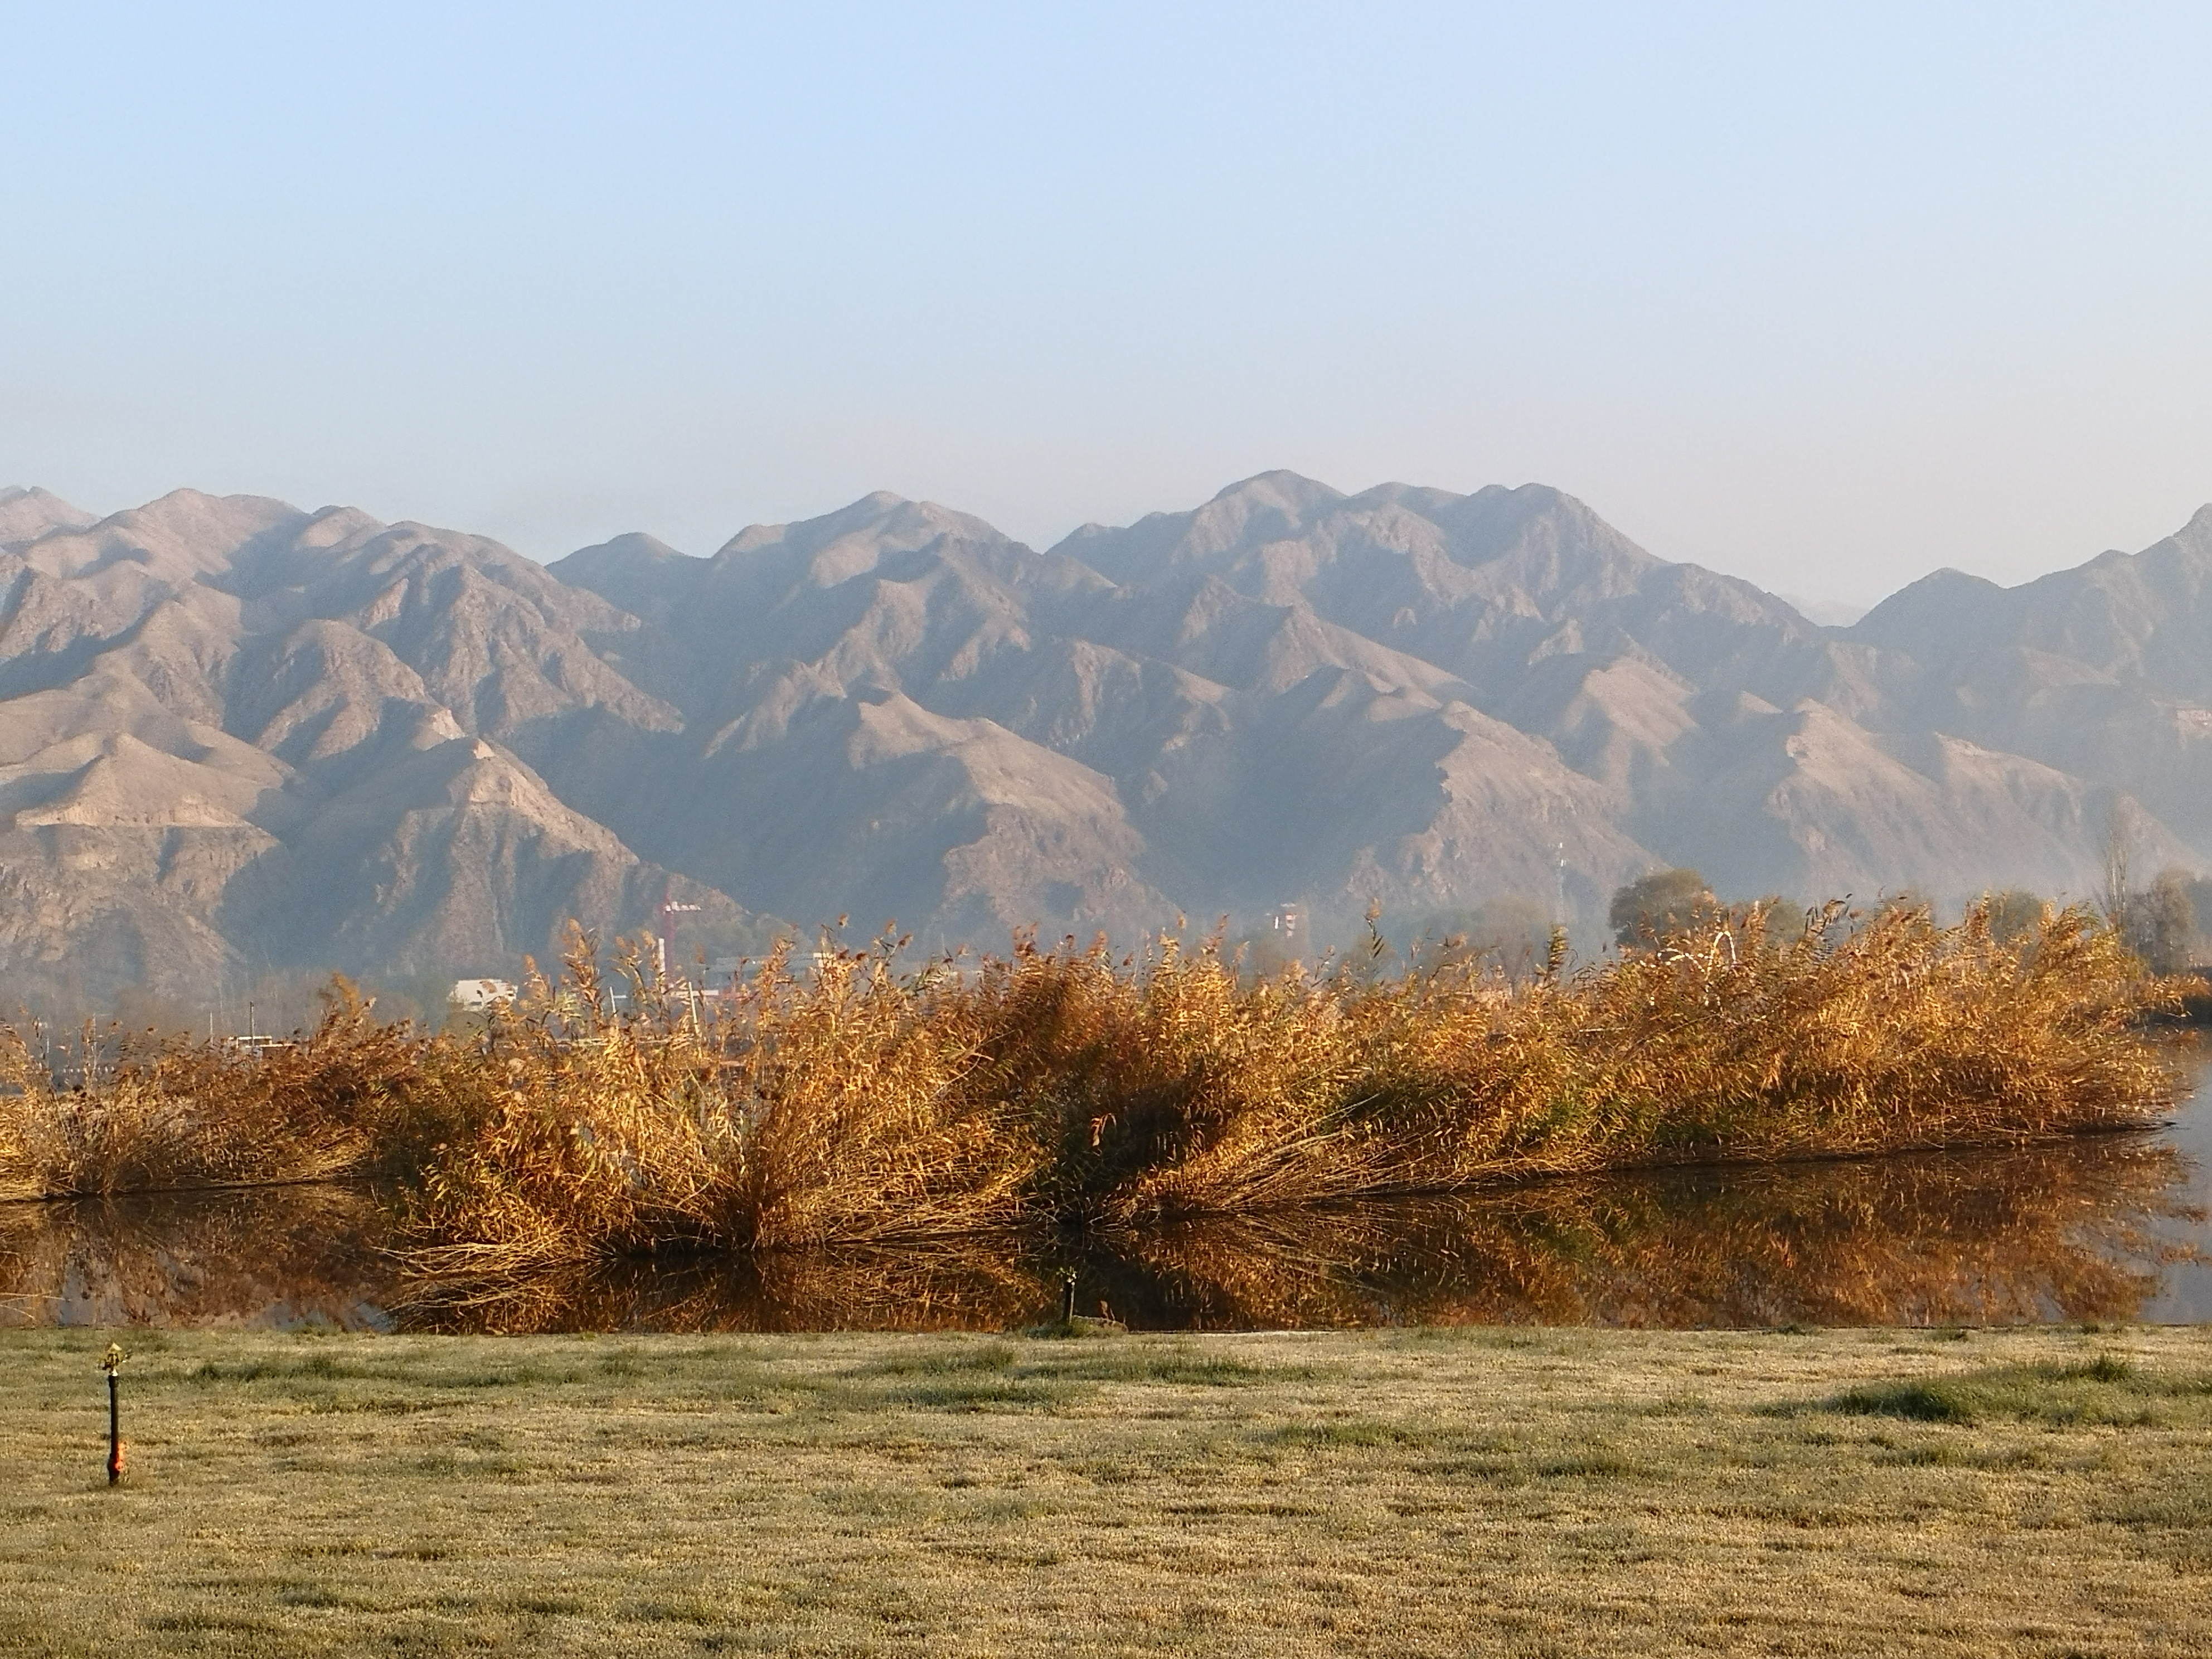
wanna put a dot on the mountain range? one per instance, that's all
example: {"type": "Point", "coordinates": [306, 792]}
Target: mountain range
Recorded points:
{"type": "Point", "coordinates": [238, 736]}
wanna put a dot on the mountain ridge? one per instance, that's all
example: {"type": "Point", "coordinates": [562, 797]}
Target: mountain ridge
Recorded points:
{"type": "Point", "coordinates": [237, 732]}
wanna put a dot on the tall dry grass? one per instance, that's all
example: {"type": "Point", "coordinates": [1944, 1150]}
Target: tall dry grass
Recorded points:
{"type": "Point", "coordinates": [839, 1108]}
{"type": "Point", "coordinates": [856, 1105]}
{"type": "Point", "coordinates": [1747, 1043]}
{"type": "Point", "coordinates": [167, 1114]}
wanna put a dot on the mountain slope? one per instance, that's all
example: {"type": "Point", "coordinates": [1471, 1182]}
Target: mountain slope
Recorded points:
{"type": "Point", "coordinates": [234, 734]}
{"type": "Point", "coordinates": [237, 737]}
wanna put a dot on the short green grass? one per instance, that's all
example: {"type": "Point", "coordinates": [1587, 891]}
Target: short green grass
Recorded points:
{"type": "Point", "coordinates": [1519, 1492]}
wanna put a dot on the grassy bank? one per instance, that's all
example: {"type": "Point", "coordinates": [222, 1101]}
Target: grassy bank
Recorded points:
{"type": "Point", "coordinates": [1517, 1492]}
{"type": "Point", "coordinates": [857, 1104]}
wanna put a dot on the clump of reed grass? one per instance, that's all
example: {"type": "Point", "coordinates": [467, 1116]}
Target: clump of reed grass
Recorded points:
{"type": "Point", "coordinates": [860, 1106]}
{"type": "Point", "coordinates": [154, 1113]}
{"type": "Point", "coordinates": [857, 1105]}
{"type": "Point", "coordinates": [839, 1110]}
{"type": "Point", "coordinates": [1170, 1087]}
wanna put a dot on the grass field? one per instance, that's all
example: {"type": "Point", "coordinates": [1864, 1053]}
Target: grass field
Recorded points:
{"type": "Point", "coordinates": [1491, 1491]}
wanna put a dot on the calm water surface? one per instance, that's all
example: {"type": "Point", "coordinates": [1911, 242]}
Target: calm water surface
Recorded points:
{"type": "Point", "coordinates": [2114, 1227]}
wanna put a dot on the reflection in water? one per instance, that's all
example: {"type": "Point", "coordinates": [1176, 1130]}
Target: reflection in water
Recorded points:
{"type": "Point", "coordinates": [986, 1282]}
{"type": "Point", "coordinates": [2079, 1231]}
{"type": "Point", "coordinates": [1985, 1238]}
{"type": "Point", "coordinates": [272, 1256]}
{"type": "Point", "coordinates": [2090, 1230]}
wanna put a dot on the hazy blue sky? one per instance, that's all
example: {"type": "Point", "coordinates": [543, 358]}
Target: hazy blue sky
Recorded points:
{"type": "Point", "coordinates": [1823, 297]}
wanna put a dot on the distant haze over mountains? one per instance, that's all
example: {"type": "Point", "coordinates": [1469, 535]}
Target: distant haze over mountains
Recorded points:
{"type": "Point", "coordinates": [236, 736]}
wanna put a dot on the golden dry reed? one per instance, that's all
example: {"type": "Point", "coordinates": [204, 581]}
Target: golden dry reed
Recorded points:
{"type": "Point", "coordinates": [150, 1113]}
{"type": "Point", "coordinates": [859, 1105]}
{"type": "Point", "coordinates": [856, 1104]}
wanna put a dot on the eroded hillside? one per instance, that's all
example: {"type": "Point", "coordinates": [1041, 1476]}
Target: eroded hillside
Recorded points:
{"type": "Point", "coordinates": [235, 735]}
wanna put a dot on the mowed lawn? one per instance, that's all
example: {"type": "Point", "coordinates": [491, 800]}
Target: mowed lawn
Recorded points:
{"type": "Point", "coordinates": [1412, 1492]}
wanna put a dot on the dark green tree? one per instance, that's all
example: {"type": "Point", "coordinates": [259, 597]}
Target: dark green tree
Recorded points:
{"type": "Point", "coordinates": [2160, 923]}
{"type": "Point", "coordinates": [1661, 905]}
{"type": "Point", "coordinates": [2013, 915]}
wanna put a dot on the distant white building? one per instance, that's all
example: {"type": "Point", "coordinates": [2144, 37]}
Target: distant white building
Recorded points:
{"type": "Point", "coordinates": [475, 995]}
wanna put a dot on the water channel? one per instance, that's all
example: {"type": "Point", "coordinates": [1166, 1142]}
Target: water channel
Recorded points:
{"type": "Point", "coordinates": [2107, 1228]}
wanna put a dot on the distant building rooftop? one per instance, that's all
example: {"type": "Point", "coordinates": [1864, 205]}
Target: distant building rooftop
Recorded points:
{"type": "Point", "coordinates": [475, 994]}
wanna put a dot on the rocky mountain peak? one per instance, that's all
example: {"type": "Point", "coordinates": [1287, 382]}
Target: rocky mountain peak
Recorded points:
{"type": "Point", "coordinates": [875, 525]}
{"type": "Point", "coordinates": [25, 514]}
{"type": "Point", "coordinates": [1267, 508]}
{"type": "Point", "coordinates": [233, 733]}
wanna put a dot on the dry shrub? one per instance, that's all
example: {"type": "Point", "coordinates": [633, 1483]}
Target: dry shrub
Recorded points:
{"type": "Point", "coordinates": [855, 1106]}
{"type": "Point", "coordinates": [174, 1114]}
{"type": "Point", "coordinates": [800, 1113]}
{"type": "Point", "coordinates": [1168, 1068]}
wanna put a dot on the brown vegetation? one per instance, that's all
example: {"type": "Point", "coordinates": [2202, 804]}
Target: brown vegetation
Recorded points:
{"type": "Point", "coordinates": [855, 1105]}
{"type": "Point", "coordinates": [860, 1106]}
{"type": "Point", "coordinates": [145, 1113]}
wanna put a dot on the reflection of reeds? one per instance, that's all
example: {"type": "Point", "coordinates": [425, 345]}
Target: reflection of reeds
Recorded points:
{"type": "Point", "coordinates": [1991, 1237]}
{"type": "Point", "coordinates": [278, 1255]}
{"type": "Point", "coordinates": [982, 1282]}
{"type": "Point", "coordinates": [1986, 1237]}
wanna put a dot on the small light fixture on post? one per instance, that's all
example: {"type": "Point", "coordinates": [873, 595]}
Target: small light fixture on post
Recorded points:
{"type": "Point", "coordinates": [112, 1363]}
{"type": "Point", "coordinates": [1067, 1297]}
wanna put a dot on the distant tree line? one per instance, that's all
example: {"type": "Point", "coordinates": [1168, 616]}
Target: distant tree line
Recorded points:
{"type": "Point", "coordinates": [2166, 923]}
